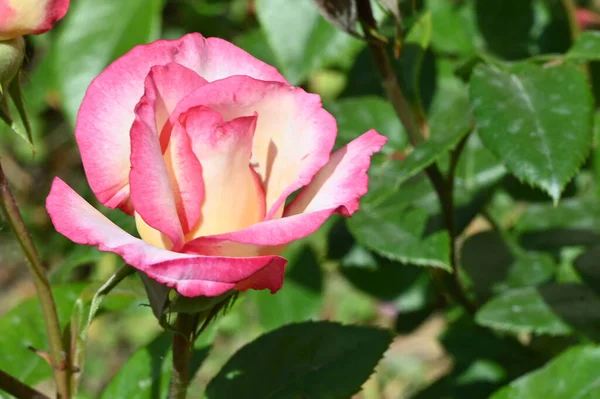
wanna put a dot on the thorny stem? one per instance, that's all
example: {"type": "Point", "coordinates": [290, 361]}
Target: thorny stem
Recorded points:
{"type": "Point", "coordinates": [185, 327]}
{"type": "Point", "coordinates": [38, 272]}
{"type": "Point", "coordinates": [443, 186]}
{"type": "Point", "coordinates": [11, 385]}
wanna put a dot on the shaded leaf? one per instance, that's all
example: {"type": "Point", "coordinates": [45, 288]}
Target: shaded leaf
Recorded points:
{"type": "Point", "coordinates": [588, 266]}
{"type": "Point", "coordinates": [482, 361]}
{"type": "Point", "coordinates": [555, 309]}
{"type": "Point", "coordinates": [574, 222]}
{"type": "Point", "coordinates": [506, 39]}
{"type": "Point", "coordinates": [494, 266]}
{"type": "Point", "coordinates": [313, 360]}
{"type": "Point", "coordinates": [538, 121]}
{"type": "Point", "coordinates": [384, 279]}
{"type": "Point", "coordinates": [573, 374]}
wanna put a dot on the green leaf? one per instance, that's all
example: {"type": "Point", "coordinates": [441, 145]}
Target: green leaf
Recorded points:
{"type": "Point", "coordinates": [81, 56]}
{"type": "Point", "coordinates": [356, 115]}
{"type": "Point", "coordinates": [470, 347]}
{"type": "Point", "coordinates": [255, 42]}
{"type": "Point", "coordinates": [555, 309]}
{"type": "Point", "coordinates": [393, 220]}
{"type": "Point", "coordinates": [477, 168]}
{"type": "Point", "coordinates": [494, 266]}
{"type": "Point", "coordinates": [7, 118]}
{"type": "Point", "coordinates": [308, 360]}
{"type": "Point", "coordinates": [574, 222]}
{"type": "Point", "coordinates": [506, 39]}
{"type": "Point", "coordinates": [588, 266]}
{"type": "Point", "coordinates": [23, 326]}
{"type": "Point", "coordinates": [300, 298]}
{"type": "Point", "coordinates": [454, 29]}
{"type": "Point", "coordinates": [396, 231]}
{"type": "Point", "coordinates": [301, 39]}
{"type": "Point", "coordinates": [105, 289]}
{"type": "Point", "coordinates": [16, 95]}
{"type": "Point", "coordinates": [572, 213]}
{"type": "Point", "coordinates": [414, 49]}
{"type": "Point", "coordinates": [573, 374]}
{"type": "Point", "coordinates": [538, 121]}
{"type": "Point", "coordinates": [429, 151]}
{"type": "Point", "coordinates": [147, 373]}
{"type": "Point", "coordinates": [586, 47]}
{"type": "Point", "coordinates": [382, 278]}
{"type": "Point", "coordinates": [77, 256]}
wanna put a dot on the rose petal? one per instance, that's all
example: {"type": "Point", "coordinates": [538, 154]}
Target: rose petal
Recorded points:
{"type": "Point", "coordinates": [185, 173]}
{"type": "Point", "coordinates": [233, 196]}
{"type": "Point", "coordinates": [190, 275]}
{"type": "Point", "coordinates": [22, 17]}
{"type": "Point", "coordinates": [106, 113]}
{"type": "Point", "coordinates": [337, 188]}
{"type": "Point", "coordinates": [165, 87]}
{"type": "Point", "coordinates": [293, 138]}
{"type": "Point", "coordinates": [151, 189]}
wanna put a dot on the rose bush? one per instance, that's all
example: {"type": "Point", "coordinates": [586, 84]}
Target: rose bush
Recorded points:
{"type": "Point", "coordinates": [23, 17]}
{"type": "Point", "coordinates": [202, 144]}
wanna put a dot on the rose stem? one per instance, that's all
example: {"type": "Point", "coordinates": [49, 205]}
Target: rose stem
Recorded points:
{"type": "Point", "coordinates": [182, 352]}
{"type": "Point", "coordinates": [443, 188]}
{"type": "Point", "coordinates": [42, 286]}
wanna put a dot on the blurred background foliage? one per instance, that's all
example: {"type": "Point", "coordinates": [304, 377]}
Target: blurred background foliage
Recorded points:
{"type": "Point", "coordinates": [533, 263]}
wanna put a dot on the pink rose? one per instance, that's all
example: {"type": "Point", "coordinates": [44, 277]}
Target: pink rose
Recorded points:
{"type": "Point", "coordinates": [23, 17]}
{"type": "Point", "coordinates": [202, 144]}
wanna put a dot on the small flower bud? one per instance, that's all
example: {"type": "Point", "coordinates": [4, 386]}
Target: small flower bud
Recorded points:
{"type": "Point", "coordinates": [12, 53]}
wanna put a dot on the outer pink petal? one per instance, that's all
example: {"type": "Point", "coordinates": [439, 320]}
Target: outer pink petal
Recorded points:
{"type": "Point", "coordinates": [337, 188]}
{"type": "Point", "coordinates": [152, 193]}
{"type": "Point", "coordinates": [190, 275]}
{"type": "Point", "coordinates": [106, 114]}
{"type": "Point", "coordinates": [293, 138]}
{"type": "Point", "coordinates": [21, 17]}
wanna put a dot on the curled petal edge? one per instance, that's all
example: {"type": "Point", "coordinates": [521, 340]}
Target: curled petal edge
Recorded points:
{"type": "Point", "coordinates": [336, 188]}
{"type": "Point", "coordinates": [191, 275]}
